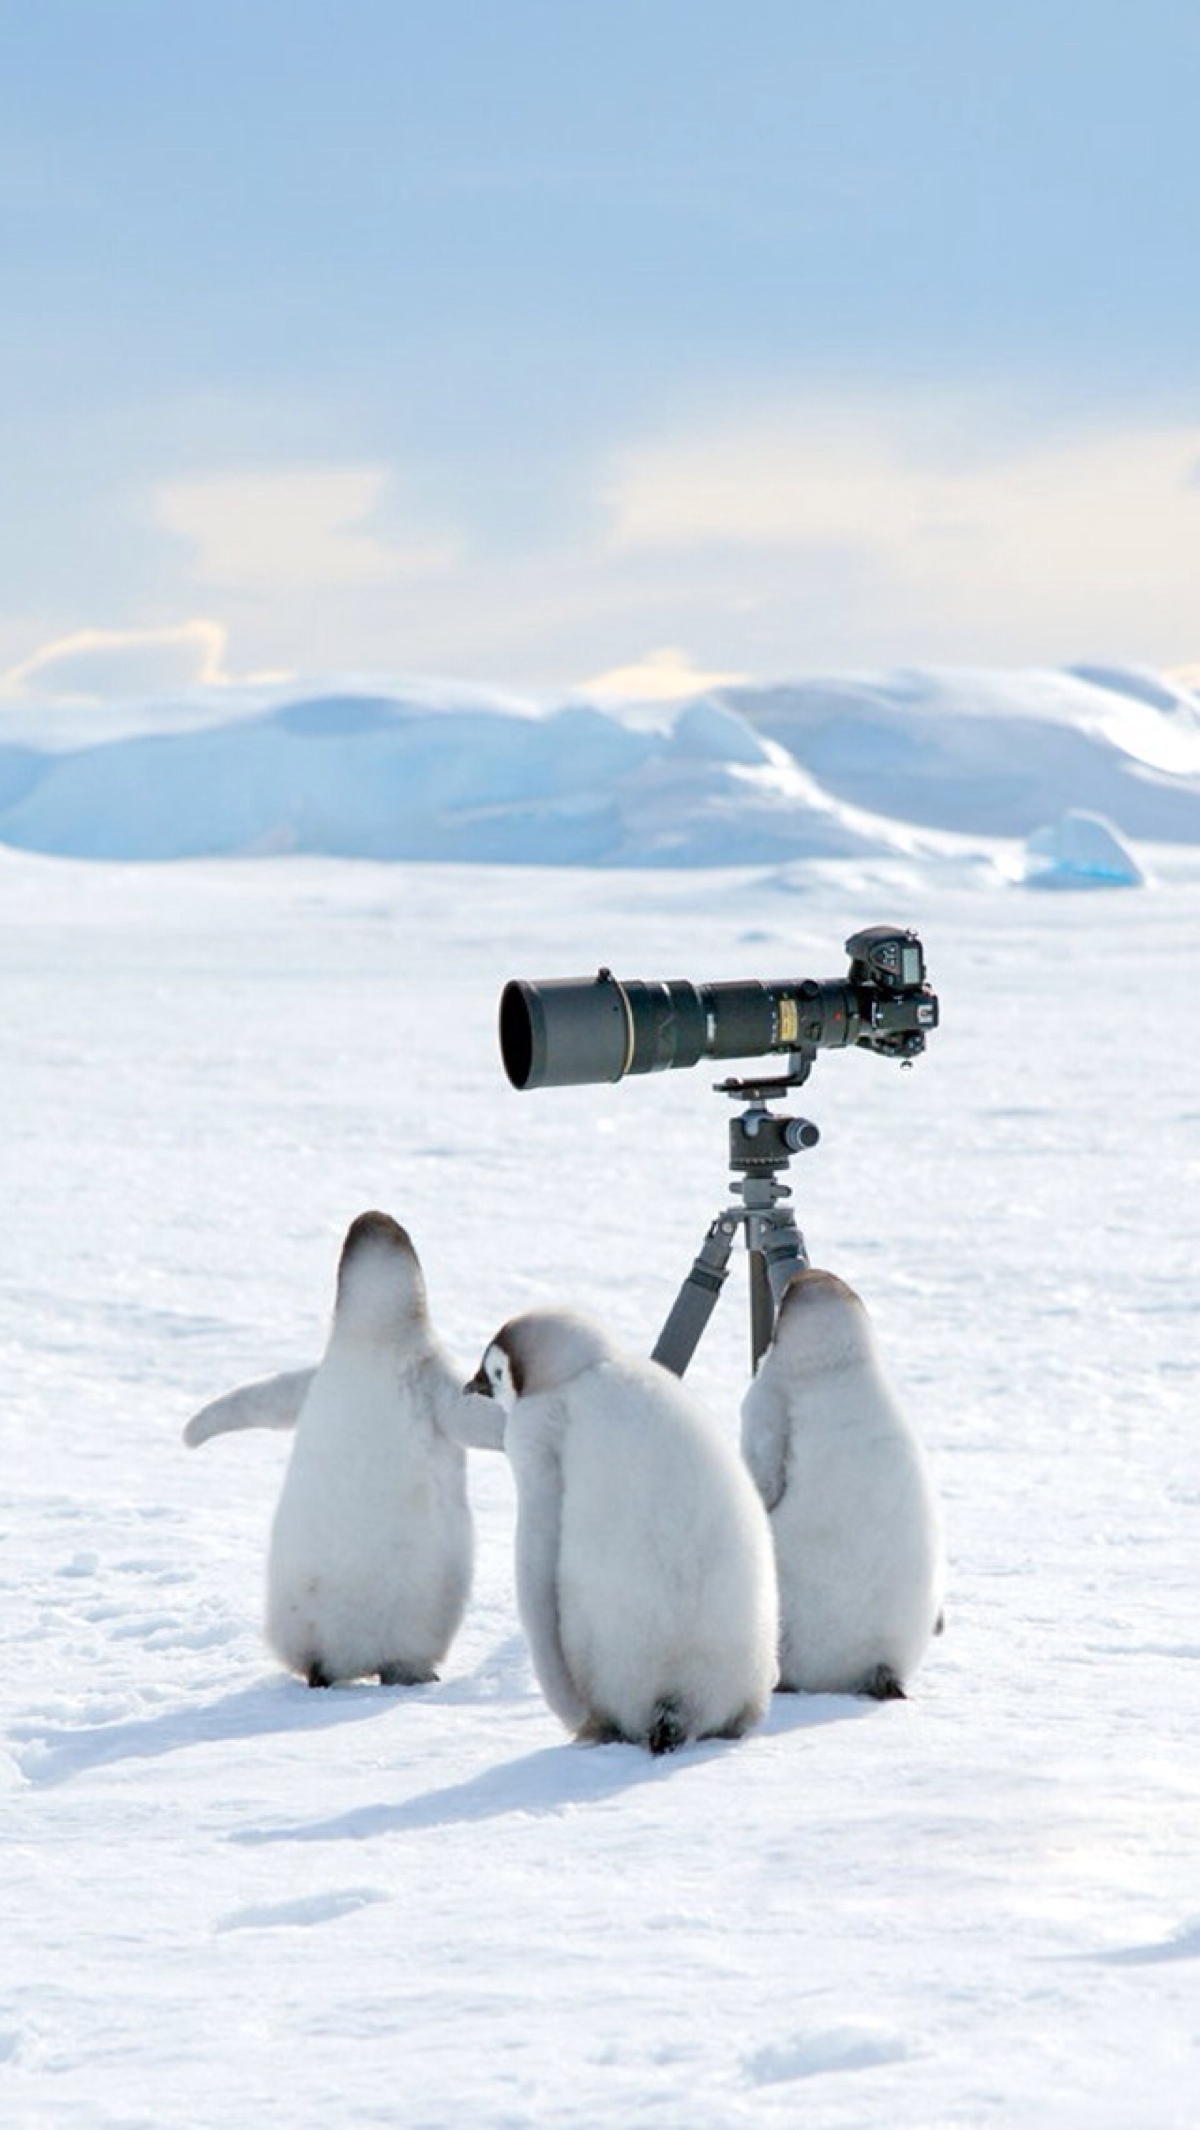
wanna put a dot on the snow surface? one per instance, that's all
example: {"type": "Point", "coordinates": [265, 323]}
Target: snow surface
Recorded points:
{"type": "Point", "coordinates": [229, 1900]}
{"type": "Point", "coordinates": [848, 767]}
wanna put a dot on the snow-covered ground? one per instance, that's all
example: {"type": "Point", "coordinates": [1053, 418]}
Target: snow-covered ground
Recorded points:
{"type": "Point", "coordinates": [229, 1900]}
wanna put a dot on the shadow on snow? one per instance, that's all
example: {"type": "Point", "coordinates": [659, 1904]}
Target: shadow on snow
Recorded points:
{"type": "Point", "coordinates": [552, 1779]}
{"type": "Point", "coordinates": [52, 1756]}
{"type": "Point", "coordinates": [49, 1756]}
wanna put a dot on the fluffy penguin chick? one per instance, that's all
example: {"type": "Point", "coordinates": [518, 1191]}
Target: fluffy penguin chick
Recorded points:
{"type": "Point", "coordinates": [645, 1582]}
{"type": "Point", "coordinates": [853, 1512]}
{"type": "Point", "coordinates": [371, 1548]}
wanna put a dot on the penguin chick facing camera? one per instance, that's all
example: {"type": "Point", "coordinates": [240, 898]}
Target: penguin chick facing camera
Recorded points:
{"type": "Point", "coordinates": [644, 1574]}
{"type": "Point", "coordinates": [854, 1517]}
{"type": "Point", "coordinates": [371, 1549]}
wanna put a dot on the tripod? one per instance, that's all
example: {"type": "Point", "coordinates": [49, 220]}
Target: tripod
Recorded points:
{"type": "Point", "coordinates": [761, 1144]}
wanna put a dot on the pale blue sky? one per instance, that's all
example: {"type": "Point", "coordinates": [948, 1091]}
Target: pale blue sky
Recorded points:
{"type": "Point", "coordinates": [520, 341]}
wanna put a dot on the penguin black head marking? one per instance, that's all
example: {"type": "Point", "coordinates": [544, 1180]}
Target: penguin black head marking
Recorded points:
{"type": "Point", "coordinates": [546, 1348]}
{"type": "Point", "coordinates": [379, 1272]}
{"type": "Point", "coordinates": [813, 1286]}
{"type": "Point", "coordinates": [499, 1374]}
{"type": "Point", "coordinates": [822, 1323]}
{"type": "Point", "coordinates": [377, 1228]}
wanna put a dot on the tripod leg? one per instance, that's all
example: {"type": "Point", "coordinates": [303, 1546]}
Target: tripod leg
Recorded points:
{"type": "Point", "coordinates": [762, 1308]}
{"type": "Point", "coordinates": [777, 1250]}
{"type": "Point", "coordinates": [697, 1298]}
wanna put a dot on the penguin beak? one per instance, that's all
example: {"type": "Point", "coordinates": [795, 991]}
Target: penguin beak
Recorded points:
{"type": "Point", "coordinates": [479, 1385]}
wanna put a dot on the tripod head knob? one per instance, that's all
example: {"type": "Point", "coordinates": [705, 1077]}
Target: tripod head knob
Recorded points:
{"type": "Point", "coordinates": [799, 1132]}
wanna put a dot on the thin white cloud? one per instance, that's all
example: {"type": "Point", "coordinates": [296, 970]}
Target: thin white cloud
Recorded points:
{"type": "Point", "coordinates": [293, 529]}
{"type": "Point", "coordinates": [824, 535]}
{"type": "Point", "coordinates": [661, 676]}
{"type": "Point", "coordinates": [94, 664]}
{"type": "Point", "coordinates": [1053, 545]}
{"type": "Point", "coordinates": [819, 473]}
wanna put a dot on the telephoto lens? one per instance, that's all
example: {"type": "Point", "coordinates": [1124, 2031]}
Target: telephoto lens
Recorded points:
{"type": "Point", "coordinates": [575, 1031]}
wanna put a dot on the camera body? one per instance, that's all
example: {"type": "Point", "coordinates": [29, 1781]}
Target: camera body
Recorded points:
{"type": "Point", "coordinates": [886, 1002]}
{"type": "Point", "coordinates": [580, 1031]}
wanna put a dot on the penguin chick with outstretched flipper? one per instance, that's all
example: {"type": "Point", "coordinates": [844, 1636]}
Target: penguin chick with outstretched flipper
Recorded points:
{"type": "Point", "coordinates": [852, 1507]}
{"type": "Point", "coordinates": [370, 1557]}
{"type": "Point", "coordinates": [371, 1549]}
{"type": "Point", "coordinates": [645, 1582]}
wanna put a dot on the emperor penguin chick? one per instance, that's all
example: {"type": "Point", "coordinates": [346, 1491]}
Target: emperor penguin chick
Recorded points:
{"type": "Point", "coordinates": [370, 1557]}
{"type": "Point", "coordinates": [645, 1582]}
{"type": "Point", "coordinates": [853, 1512]}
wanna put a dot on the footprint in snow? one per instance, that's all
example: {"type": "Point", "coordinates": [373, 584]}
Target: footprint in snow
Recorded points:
{"type": "Point", "coordinates": [812, 2054]}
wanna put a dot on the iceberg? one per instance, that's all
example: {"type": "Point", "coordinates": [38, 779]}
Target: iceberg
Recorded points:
{"type": "Point", "coordinates": [1080, 850]}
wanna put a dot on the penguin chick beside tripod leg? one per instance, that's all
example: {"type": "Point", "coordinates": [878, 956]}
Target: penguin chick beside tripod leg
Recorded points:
{"type": "Point", "coordinates": [853, 1513]}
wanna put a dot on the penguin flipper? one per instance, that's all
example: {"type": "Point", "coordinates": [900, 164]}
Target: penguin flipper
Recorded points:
{"type": "Point", "coordinates": [476, 1422]}
{"type": "Point", "coordinates": [469, 1417]}
{"type": "Point", "coordinates": [766, 1426]}
{"type": "Point", "coordinates": [539, 1531]}
{"type": "Point", "coordinates": [275, 1401]}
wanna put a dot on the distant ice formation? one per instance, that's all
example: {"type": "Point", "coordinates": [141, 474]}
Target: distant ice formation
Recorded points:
{"type": "Point", "coordinates": [1080, 850]}
{"type": "Point", "coordinates": [870, 766]}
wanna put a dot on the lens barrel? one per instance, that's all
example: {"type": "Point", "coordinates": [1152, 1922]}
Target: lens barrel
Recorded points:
{"type": "Point", "coordinates": [575, 1031]}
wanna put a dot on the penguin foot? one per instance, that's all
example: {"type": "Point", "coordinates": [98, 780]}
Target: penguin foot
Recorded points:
{"type": "Point", "coordinates": [883, 1685]}
{"type": "Point", "coordinates": [668, 1731]}
{"type": "Point", "coordinates": [599, 1731]}
{"type": "Point", "coordinates": [405, 1675]}
{"type": "Point", "coordinates": [316, 1674]}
